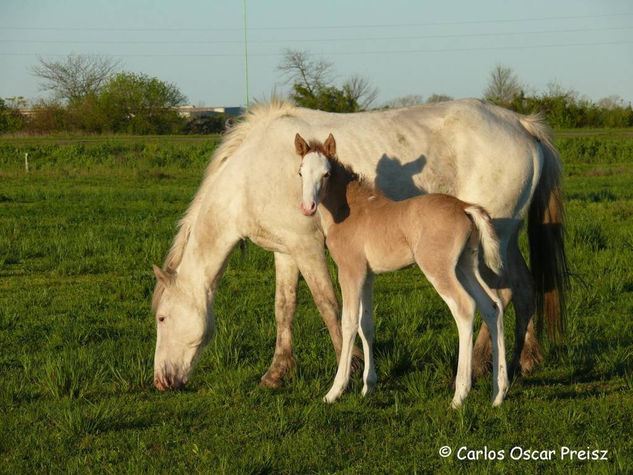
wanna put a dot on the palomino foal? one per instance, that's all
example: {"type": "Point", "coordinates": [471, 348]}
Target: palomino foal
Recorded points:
{"type": "Point", "coordinates": [367, 233]}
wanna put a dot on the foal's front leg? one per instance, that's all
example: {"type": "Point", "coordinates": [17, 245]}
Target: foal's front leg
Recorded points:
{"type": "Point", "coordinates": [351, 285]}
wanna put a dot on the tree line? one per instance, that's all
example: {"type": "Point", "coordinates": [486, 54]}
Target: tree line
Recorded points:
{"type": "Point", "coordinates": [564, 108]}
{"type": "Point", "coordinates": [90, 95]}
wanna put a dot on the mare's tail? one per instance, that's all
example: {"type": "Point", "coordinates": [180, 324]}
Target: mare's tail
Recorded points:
{"type": "Point", "coordinates": [546, 232]}
{"type": "Point", "coordinates": [487, 236]}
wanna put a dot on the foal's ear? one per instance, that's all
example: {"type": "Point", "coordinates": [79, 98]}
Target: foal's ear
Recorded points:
{"type": "Point", "coordinates": [161, 275]}
{"type": "Point", "coordinates": [301, 146]}
{"type": "Point", "coordinates": [330, 147]}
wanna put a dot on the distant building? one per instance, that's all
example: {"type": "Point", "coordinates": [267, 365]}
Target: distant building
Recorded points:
{"type": "Point", "coordinates": [192, 112]}
{"type": "Point", "coordinates": [29, 112]}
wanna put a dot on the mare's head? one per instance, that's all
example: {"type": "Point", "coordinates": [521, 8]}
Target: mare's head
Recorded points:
{"type": "Point", "coordinates": [315, 169]}
{"type": "Point", "coordinates": [183, 329]}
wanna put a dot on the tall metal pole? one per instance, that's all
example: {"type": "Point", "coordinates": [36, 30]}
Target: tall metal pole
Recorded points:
{"type": "Point", "coordinates": [245, 51]}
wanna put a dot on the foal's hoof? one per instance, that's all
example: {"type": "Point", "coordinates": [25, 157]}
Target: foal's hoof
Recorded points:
{"type": "Point", "coordinates": [330, 397]}
{"type": "Point", "coordinates": [367, 390]}
{"type": "Point", "coordinates": [497, 402]}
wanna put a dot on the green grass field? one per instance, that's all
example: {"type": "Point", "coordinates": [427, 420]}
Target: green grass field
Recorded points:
{"type": "Point", "coordinates": [78, 235]}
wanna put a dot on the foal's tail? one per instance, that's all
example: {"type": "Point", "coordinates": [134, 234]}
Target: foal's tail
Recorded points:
{"type": "Point", "coordinates": [487, 236]}
{"type": "Point", "coordinates": [546, 232]}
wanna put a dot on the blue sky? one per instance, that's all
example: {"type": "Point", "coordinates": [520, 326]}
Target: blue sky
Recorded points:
{"type": "Point", "coordinates": [401, 47]}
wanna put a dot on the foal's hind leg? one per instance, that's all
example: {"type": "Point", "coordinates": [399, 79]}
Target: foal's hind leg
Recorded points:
{"type": "Point", "coordinates": [482, 353]}
{"type": "Point", "coordinates": [367, 334]}
{"type": "Point", "coordinates": [462, 307]}
{"type": "Point", "coordinates": [287, 275]}
{"type": "Point", "coordinates": [491, 309]}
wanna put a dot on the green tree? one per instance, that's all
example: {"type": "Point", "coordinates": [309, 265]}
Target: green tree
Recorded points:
{"type": "Point", "coordinates": [325, 98]}
{"type": "Point", "coordinates": [11, 119]}
{"type": "Point", "coordinates": [140, 104]}
{"type": "Point", "coordinates": [312, 85]}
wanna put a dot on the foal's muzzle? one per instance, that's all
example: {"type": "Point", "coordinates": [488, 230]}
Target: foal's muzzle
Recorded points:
{"type": "Point", "coordinates": [308, 211]}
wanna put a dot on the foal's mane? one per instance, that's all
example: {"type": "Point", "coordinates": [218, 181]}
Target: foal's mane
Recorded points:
{"type": "Point", "coordinates": [233, 139]}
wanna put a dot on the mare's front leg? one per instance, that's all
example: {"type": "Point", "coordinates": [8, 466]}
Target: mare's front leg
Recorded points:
{"type": "Point", "coordinates": [351, 287]}
{"type": "Point", "coordinates": [287, 276]}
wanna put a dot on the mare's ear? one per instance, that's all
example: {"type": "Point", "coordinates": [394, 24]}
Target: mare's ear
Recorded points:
{"type": "Point", "coordinates": [330, 147]}
{"type": "Point", "coordinates": [301, 146]}
{"type": "Point", "coordinates": [161, 275]}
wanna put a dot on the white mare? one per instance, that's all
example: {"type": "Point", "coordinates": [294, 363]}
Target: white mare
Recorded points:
{"type": "Point", "coordinates": [477, 152]}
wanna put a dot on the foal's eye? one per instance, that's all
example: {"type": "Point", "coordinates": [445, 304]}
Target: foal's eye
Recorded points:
{"type": "Point", "coordinates": [161, 319]}
{"type": "Point", "coordinates": [327, 174]}
{"type": "Point", "coordinates": [300, 173]}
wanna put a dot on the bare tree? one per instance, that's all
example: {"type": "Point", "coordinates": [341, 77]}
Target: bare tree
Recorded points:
{"type": "Point", "coordinates": [434, 98]}
{"type": "Point", "coordinates": [611, 102]}
{"type": "Point", "coordinates": [358, 89]}
{"type": "Point", "coordinates": [75, 76]}
{"type": "Point", "coordinates": [503, 85]}
{"type": "Point", "coordinates": [404, 101]}
{"type": "Point", "coordinates": [300, 68]}
{"type": "Point", "coordinates": [556, 89]}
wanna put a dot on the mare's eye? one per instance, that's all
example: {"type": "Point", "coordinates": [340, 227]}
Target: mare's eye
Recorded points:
{"type": "Point", "coordinates": [300, 173]}
{"type": "Point", "coordinates": [327, 174]}
{"type": "Point", "coordinates": [161, 319]}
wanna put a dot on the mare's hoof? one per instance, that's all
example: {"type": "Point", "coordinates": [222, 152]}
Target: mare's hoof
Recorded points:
{"type": "Point", "coordinates": [281, 368]}
{"type": "Point", "coordinates": [358, 362]}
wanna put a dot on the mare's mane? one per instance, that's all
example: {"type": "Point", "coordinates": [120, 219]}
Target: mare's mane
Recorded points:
{"type": "Point", "coordinates": [233, 139]}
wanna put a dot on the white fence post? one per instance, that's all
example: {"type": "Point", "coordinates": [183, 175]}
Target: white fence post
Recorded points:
{"type": "Point", "coordinates": [26, 162]}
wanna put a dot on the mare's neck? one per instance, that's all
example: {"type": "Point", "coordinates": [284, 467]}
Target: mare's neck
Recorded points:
{"type": "Point", "coordinates": [202, 266]}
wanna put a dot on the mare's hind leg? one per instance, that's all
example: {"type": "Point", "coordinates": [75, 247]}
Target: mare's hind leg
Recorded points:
{"type": "Point", "coordinates": [367, 334]}
{"type": "Point", "coordinates": [527, 352]}
{"type": "Point", "coordinates": [287, 275]}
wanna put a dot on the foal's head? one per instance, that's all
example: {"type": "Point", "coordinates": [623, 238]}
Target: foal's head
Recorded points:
{"type": "Point", "coordinates": [315, 169]}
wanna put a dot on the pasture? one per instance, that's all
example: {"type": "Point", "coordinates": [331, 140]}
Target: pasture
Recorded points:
{"type": "Point", "coordinates": [78, 235]}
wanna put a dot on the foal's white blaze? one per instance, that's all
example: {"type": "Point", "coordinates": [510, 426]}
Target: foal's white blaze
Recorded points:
{"type": "Point", "coordinates": [315, 168]}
